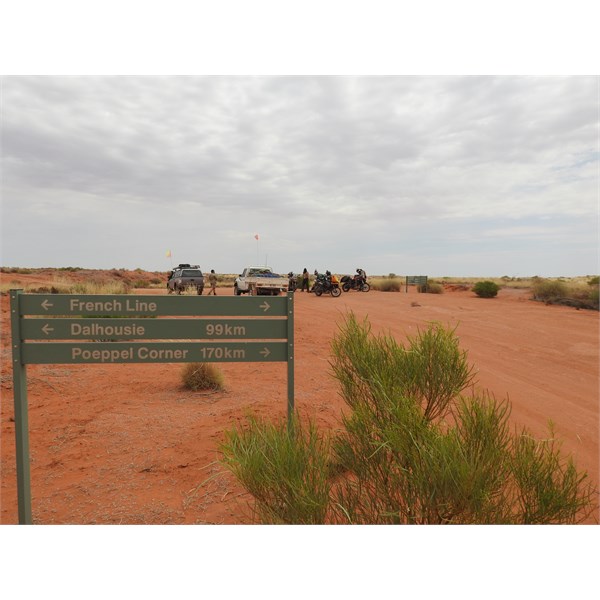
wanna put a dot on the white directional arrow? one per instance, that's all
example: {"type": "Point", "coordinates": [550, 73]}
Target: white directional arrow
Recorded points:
{"type": "Point", "coordinates": [265, 352]}
{"type": "Point", "coordinates": [46, 304]}
{"type": "Point", "coordinates": [265, 306]}
{"type": "Point", "coordinates": [47, 329]}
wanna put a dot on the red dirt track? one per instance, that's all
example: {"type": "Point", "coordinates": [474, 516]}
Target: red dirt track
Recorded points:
{"type": "Point", "coordinates": [126, 443]}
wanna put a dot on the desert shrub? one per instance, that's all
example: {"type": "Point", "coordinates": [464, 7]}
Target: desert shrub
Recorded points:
{"type": "Point", "coordinates": [191, 290]}
{"type": "Point", "coordinates": [432, 287]}
{"type": "Point", "coordinates": [98, 287]}
{"type": "Point", "coordinates": [392, 276]}
{"type": "Point", "coordinates": [576, 294]}
{"type": "Point", "coordinates": [486, 289]}
{"type": "Point", "coordinates": [202, 376]}
{"type": "Point", "coordinates": [141, 283]}
{"type": "Point", "coordinates": [594, 280]}
{"type": "Point", "coordinates": [413, 449]}
{"type": "Point", "coordinates": [284, 468]}
{"type": "Point", "coordinates": [581, 297]}
{"type": "Point", "coordinates": [386, 284]}
{"type": "Point", "coordinates": [548, 290]}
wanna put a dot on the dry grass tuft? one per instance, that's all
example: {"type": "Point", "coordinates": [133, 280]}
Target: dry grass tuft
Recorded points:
{"type": "Point", "coordinates": [202, 376]}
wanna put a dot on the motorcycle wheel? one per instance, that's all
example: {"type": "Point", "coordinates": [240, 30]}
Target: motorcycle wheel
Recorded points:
{"type": "Point", "coordinates": [335, 292]}
{"type": "Point", "coordinates": [346, 287]}
{"type": "Point", "coordinates": [365, 287]}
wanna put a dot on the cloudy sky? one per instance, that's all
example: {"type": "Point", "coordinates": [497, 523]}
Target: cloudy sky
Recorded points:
{"type": "Point", "coordinates": [444, 176]}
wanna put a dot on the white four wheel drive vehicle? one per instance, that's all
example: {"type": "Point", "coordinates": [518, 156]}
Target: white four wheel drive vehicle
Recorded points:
{"type": "Point", "coordinates": [260, 281]}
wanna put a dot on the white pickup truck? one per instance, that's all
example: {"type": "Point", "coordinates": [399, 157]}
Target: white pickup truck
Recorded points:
{"type": "Point", "coordinates": [258, 281]}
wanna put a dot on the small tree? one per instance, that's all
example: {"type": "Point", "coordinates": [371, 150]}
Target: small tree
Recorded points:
{"type": "Point", "coordinates": [486, 289]}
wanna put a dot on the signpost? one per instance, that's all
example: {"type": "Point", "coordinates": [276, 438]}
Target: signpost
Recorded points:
{"type": "Point", "coordinates": [69, 329]}
{"type": "Point", "coordinates": [418, 280]}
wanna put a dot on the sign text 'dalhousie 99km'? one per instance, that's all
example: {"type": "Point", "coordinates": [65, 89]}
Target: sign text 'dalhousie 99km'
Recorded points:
{"type": "Point", "coordinates": [73, 329]}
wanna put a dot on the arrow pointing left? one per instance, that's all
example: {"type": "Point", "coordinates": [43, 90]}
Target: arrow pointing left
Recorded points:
{"type": "Point", "coordinates": [46, 304]}
{"type": "Point", "coordinates": [47, 329]}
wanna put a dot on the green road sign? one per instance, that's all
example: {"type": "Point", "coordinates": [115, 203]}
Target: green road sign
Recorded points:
{"type": "Point", "coordinates": [137, 352]}
{"type": "Point", "coordinates": [47, 318]}
{"type": "Point", "coordinates": [157, 329]}
{"type": "Point", "coordinates": [153, 306]}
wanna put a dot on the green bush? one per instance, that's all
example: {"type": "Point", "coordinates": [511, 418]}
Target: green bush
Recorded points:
{"type": "Point", "coordinates": [412, 449]}
{"type": "Point", "coordinates": [284, 468]}
{"type": "Point", "coordinates": [594, 280]}
{"type": "Point", "coordinates": [486, 289]}
{"type": "Point", "coordinates": [202, 376]}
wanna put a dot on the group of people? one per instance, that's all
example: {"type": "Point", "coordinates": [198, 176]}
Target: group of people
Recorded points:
{"type": "Point", "coordinates": [360, 274]}
{"type": "Point", "coordinates": [212, 280]}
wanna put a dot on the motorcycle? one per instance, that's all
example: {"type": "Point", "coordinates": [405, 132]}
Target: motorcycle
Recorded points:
{"type": "Point", "coordinates": [326, 284]}
{"type": "Point", "coordinates": [292, 282]}
{"type": "Point", "coordinates": [355, 283]}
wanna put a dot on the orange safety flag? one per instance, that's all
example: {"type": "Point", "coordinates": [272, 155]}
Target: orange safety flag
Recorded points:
{"type": "Point", "coordinates": [256, 237]}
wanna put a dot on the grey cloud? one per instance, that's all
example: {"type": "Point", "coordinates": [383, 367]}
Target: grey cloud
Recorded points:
{"type": "Point", "coordinates": [266, 151]}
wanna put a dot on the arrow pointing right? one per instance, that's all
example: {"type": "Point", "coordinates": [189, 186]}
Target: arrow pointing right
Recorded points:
{"type": "Point", "coordinates": [265, 352]}
{"type": "Point", "coordinates": [265, 306]}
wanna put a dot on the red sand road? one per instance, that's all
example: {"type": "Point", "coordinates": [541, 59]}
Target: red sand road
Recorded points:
{"type": "Point", "coordinates": [127, 444]}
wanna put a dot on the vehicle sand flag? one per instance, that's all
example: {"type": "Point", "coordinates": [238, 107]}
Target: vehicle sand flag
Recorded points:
{"type": "Point", "coordinates": [77, 329]}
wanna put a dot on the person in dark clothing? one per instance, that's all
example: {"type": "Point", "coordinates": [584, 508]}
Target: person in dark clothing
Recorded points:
{"type": "Point", "coordinates": [305, 280]}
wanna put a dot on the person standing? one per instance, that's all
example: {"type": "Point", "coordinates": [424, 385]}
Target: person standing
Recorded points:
{"type": "Point", "coordinates": [305, 280]}
{"type": "Point", "coordinates": [212, 279]}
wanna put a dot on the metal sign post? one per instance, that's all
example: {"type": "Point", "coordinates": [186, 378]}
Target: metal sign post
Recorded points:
{"type": "Point", "coordinates": [21, 412]}
{"type": "Point", "coordinates": [264, 333]}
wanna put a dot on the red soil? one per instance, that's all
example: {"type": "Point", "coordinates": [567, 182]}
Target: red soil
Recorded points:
{"type": "Point", "coordinates": [127, 443]}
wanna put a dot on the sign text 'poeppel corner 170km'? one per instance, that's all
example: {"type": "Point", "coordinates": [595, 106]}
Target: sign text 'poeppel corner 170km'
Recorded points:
{"type": "Point", "coordinates": [72, 329]}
